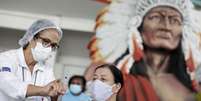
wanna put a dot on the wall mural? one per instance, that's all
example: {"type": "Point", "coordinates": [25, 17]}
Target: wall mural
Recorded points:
{"type": "Point", "coordinates": [124, 36]}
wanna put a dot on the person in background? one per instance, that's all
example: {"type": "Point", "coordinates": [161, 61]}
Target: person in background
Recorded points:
{"type": "Point", "coordinates": [24, 73]}
{"type": "Point", "coordinates": [107, 82]}
{"type": "Point", "coordinates": [77, 87]}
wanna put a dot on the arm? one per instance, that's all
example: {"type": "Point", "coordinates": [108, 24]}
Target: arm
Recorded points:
{"type": "Point", "coordinates": [53, 89]}
{"type": "Point", "coordinates": [35, 91]}
{"type": "Point", "coordinates": [14, 88]}
{"type": "Point", "coordinates": [61, 88]}
{"type": "Point", "coordinates": [50, 78]}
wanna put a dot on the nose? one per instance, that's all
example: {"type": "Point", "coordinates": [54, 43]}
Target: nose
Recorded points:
{"type": "Point", "coordinates": [166, 23]}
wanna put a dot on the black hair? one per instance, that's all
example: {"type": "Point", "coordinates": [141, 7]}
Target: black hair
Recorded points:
{"type": "Point", "coordinates": [177, 67]}
{"type": "Point", "coordinates": [81, 78]}
{"type": "Point", "coordinates": [34, 37]}
{"type": "Point", "coordinates": [118, 77]}
{"type": "Point", "coordinates": [26, 45]}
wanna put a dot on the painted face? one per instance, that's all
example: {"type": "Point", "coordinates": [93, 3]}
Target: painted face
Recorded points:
{"type": "Point", "coordinates": [162, 28]}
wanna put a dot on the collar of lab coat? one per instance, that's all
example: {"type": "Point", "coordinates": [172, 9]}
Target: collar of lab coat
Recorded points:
{"type": "Point", "coordinates": [22, 62]}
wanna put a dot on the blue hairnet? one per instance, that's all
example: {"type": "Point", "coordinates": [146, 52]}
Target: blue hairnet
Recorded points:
{"type": "Point", "coordinates": [35, 28]}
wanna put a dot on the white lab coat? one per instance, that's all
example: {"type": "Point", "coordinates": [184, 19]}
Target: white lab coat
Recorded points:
{"type": "Point", "coordinates": [15, 77]}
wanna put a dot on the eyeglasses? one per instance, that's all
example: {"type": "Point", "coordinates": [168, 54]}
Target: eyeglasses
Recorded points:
{"type": "Point", "coordinates": [47, 43]}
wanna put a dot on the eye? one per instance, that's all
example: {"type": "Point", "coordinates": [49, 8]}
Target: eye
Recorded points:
{"type": "Point", "coordinates": [103, 79]}
{"type": "Point", "coordinates": [175, 21]}
{"type": "Point", "coordinates": [46, 42]}
{"type": "Point", "coordinates": [55, 46]}
{"type": "Point", "coordinates": [154, 17]}
{"type": "Point", "coordinates": [94, 78]}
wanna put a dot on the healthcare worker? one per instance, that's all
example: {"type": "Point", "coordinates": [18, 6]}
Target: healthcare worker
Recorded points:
{"type": "Point", "coordinates": [24, 75]}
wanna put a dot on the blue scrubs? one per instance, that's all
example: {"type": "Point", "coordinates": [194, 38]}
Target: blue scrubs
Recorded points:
{"type": "Point", "coordinates": [70, 97]}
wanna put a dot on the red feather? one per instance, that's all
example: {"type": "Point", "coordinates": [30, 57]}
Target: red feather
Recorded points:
{"type": "Point", "coordinates": [138, 53]}
{"type": "Point", "coordinates": [190, 63]}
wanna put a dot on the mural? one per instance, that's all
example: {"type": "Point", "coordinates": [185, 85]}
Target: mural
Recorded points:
{"type": "Point", "coordinates": [120, 38]}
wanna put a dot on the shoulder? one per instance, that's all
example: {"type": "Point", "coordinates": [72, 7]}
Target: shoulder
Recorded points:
{"type": "Point", "coordinates": [8, 55]}
{"type": "Point", "coordinates": [86, 97]}
{"type": "Point", "coordinates": [8, 60]}
{"type": "Point", "coordinates": [67, 97]}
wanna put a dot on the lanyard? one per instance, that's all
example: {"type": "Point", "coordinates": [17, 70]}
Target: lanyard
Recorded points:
{"type": "Point", "coordinates": [23, 74]}
{"type": "Point", "coordinates": [35, 79]}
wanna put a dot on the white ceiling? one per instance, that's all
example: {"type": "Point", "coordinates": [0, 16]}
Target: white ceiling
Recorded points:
{"type": "Point", "coordinates": [86, 9]}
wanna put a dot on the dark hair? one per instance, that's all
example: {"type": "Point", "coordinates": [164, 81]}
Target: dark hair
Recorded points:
{"type": "Point", "coordinates": [176, 66]}
{"type": "Point", "coordinates": [34, 37]}
{"type": "Point", "coordinates": [26, 45]}
{"type": "Point", "coordinates": [118, 77]}
{"type": "Point", "coordinates": [81, 78]}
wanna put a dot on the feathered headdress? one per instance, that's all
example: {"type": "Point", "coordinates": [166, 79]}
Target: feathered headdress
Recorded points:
{"type": "Point", "coordinates": [118, 40]}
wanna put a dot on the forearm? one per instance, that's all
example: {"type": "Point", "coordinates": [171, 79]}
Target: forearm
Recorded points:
{"type": "Point", "coordinates": [35, 91]}
{"type": "Point", "coordinates": [52, 89]}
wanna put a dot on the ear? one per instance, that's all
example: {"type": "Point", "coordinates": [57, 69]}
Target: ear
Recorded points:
{"type": "Point", "coordinates": [116, 88]}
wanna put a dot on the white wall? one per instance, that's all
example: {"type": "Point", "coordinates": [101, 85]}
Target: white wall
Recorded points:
{"type": "Point", "coordinates": [9, 38]}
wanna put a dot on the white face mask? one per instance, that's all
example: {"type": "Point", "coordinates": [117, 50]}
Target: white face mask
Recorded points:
{"type": "Point", "coordinates": [100, 91]}
{"type": "Point", "coordinates": [41, 53]}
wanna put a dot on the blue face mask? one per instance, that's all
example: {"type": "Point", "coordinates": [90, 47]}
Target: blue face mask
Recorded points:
{"type": "Point", "coordinates": [75, 89]}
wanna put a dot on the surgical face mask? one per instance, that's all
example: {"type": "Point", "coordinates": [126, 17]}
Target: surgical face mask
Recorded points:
{"type": "Point", "coordinates": [100, 90]}
{"type": "Point", "coordinates": [41, 53]}
{"type": "Point", "coordinates": [75, 89]}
